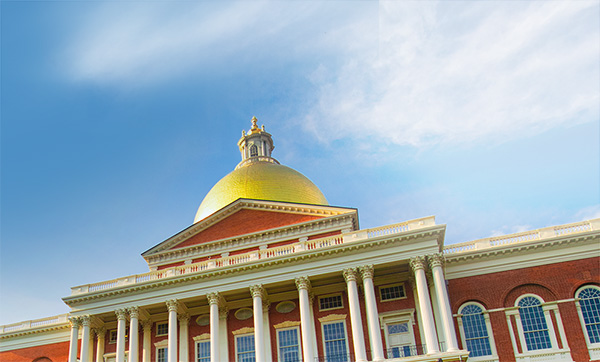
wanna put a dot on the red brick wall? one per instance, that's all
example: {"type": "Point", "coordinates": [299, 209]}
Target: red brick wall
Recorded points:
{"type": "Point", "coordinates": [245, 222]}
{"type": "Point", "coordinates": [551, 282]}
{"type": "Point", "coordinates": [55, 352]}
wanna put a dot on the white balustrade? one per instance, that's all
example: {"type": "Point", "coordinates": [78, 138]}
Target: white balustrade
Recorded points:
{"type": "Point", "coordinates": [252, 256]}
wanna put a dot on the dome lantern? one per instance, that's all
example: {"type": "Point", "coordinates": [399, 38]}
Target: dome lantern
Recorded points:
{"type": "Point", "coordinates": [256, 145]}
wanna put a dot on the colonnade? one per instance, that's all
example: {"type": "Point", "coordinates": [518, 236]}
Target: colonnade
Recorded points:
{"type": "Point", "coordinates": [216, 307]}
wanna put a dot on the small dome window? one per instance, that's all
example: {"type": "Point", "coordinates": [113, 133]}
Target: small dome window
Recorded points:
{"type": "Point", "coordinates": [253, 151]}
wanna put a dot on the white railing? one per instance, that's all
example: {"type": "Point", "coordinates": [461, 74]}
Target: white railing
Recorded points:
{"type": "Point", "coordinates": [36, 323]}
{"type": "Point", "coordinates": [523, 237]}
{"type": "Point", "coordinates": [269, 253]}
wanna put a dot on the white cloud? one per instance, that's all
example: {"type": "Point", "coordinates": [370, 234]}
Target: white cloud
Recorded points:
{"type": "Point", "coordinates": [588, 213]}
{"type": "Point", "coordinates": [456, 72]}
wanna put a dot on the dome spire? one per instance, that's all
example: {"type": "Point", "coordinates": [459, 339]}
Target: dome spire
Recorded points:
{"type": "Point", "coordinates": [256, 145]}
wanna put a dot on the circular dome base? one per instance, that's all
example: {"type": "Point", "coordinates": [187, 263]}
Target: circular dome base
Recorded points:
{"type": "Point", "coordinates": [260, 180]}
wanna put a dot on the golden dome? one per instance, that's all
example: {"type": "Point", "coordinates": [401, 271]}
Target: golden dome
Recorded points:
{"type": "Point", "coordinates": [261, 180]}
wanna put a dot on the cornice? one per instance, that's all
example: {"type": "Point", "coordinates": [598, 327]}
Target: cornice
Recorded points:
{"type": "Point", "coordinates": [248, 240]}
{"type": "Point", "coordinates": [239, 204]}
{"type": "Point", "coordinates": [436, 232]}
{"type": "Point", "coordinates": [507, 250]}
{"type": "Point", "coordinates": [34, 331]}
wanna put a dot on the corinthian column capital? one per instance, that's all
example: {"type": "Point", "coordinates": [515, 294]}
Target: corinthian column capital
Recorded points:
{"type": "Point", "coordinates": [121, 314]}
{"type": "Point", "coordinates": [172, 305]}
{"type": "Point", "coordinates": [436, 260]}
{"type": "Point", "coordinates": [75, 322]}
{"type": "Point", "coordinates": [366, 271]}
{"type": "Point", "coordinates": [213, 298]}
{"type": "Point", "coordinates": [350, 275]}
{"type": "Point", "coordinates": [86, 320]}
{"type": "Point", "coordinates": [418, 262]}
{"type": "Point", "coordinates": [184, 318]}
{"type": "Point", "coordinates": [257, 291]}
{"type": "Point", "coordinates": [134, 312]}
{"type": "Point", "coordinates": [146, 325]}
{"type": "Point", "coordinates": [100, 332]}
{"type": "Point", "coordinates": [303, 283]}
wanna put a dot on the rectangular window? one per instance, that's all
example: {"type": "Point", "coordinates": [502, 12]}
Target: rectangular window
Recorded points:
{"type": "Point", "coordinates": [244, 346]}
{"type": "Point", "coordinates": [288, 345]}
{"type": "Point", "coordinates": [203, 349]}
{"type": "Point", "coordinates": [113, 335]}
{"type": "Point", "coordinates": [162, 329]}
{"type": "Point", "coordinates": [392, 292]}
{"type": "Point", "coordinates": [334, 339]}
{"type": "Point", "coordinates": [330, 302]}
{"type": "Point", "coordinates": [161, 354]}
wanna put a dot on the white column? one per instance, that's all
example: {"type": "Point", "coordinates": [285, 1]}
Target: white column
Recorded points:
{"type": "Point", "coordinates": [121, 316]}
{"type": "Point", "coordinates": [213, 301]}
{"type": "Point", "coordinates": [134, 334]}
{"type": "Point", "coordinates": [100, 335]}
{"type": "Point", "coordinates": [74, 341]}
{"type": "Point", "coordinates": [85, 338]}
{"type": "Point", "coordinates": [91, 347]}
{"type": "Point", "coordinates": [418, 266]}
{"type": "Point", "coordinates": [303, 285]}
{"type": "Point", "coordinates": [435, 262]}
{"type": "Point", "coordinates": [172, 342]}
{"type": "Point", "coordinates": [147, 340]}
{"type": "Point", "coordinates": [257, 292]}
{"type": "Point", "coordinates": [266, 334]}
{"type": "Point", "coordinates": [366, 272]}
{"type": "Point", "coordinates": [223, 344]}
{"type": "Point", "coordinates": [355, 319]}
{"type": "Point", "coordinates": [184, 320]}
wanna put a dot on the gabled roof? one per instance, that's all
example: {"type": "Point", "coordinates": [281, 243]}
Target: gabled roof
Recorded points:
{"type": "Point", "coordinates": [245, 216]}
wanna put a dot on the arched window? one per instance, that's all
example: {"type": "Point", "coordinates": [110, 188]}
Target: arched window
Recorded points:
{"type": "Point", "coordinates": [253, 151]}
{"type": "Point", "coordinates": [535, 328]}
{"type": "Point", "coordinates": [476, 330]}
{"type": "Point", "coordinates": [589, 312]}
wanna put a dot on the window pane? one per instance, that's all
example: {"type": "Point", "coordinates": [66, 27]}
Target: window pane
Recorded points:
{"type": "Point", "coordinates": [334, 301]}
{"type": "Point", "coordinates": [289, 349]}
{"type": "Point", "coordinates": [204, 351]}
{"type": "Point", "coordinates": [476, 335]}
{"type": "Point", "coordinates": [590, 308]}
{"type": "Point", "coordinates": [335, 342]}
{"type": "Point", "coordinates": [534, 324]}
{"type": "Point", "coordinates": [245, 348]}
{"type": "Point", "coordinates": [162, 355]}
{"type": "Point", "coordinates": [394, 292]}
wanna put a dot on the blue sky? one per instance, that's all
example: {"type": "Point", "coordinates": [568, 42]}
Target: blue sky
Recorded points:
{"type": "Point", "coordinates": [118, 117]}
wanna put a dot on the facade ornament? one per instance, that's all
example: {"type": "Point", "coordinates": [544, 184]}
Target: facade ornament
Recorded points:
{"type": "Point", "coordinates": [436, 259]}
{"type": "Point", "coordinates": [134, 312]}
{"type": "Point", "coordinates": [146, 325]}
{"type": "Point", "coordinates": [366, 271]}
{"type": "Point", "coordinates": [350, 275]}
{"type": "Point", "coordinates": [418, 262]}
{"type": "Point", "coordinates": [223, 312]}
{"type": "Point", "coordinates": [214, 298]}
{"type": "Point", "coordinates": [303, 283]}
{"type": "Point", "coordinates": [266, 304]}
{"type": "Point", "coordinates": [75, 322]}
{"type": "Point", "coordinates": [86, 320]}
{"type": "Point", "coordinates": [172, 305]}
{"type": "Point", "coordinates": [257, 291]}
{"type": "Point", "coordinates": [184, 318]}
{"type": "Point", "coordinates": [100, 332]}
{"type": "Point", "coordinates": [121, 314]}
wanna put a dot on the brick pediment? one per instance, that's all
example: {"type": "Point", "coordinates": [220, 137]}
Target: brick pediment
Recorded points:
{"type": "Point", "coordinates": [244, 222]}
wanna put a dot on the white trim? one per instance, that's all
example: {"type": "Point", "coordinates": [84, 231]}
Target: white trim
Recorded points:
{"type": "Point", "coordinates": [593, 348]}
{"type": "Point", "coordinates": [394, 317]}
{"type": "Point", "coordinates": [486, 316]}
{"type": "Point", "coordinates": [156, 329]}
{"type": "Point", "coordinates": [298, 336]}
{"type": "Point", "coordinates": [157, 348]}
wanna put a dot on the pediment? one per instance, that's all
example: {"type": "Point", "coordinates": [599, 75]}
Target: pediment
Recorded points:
{"type": "Point", "coordinates": [244, 217]}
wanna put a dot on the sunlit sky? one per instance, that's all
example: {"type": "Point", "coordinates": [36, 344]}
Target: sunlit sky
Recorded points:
{"type": "Point", "coordinates": [118, 117]}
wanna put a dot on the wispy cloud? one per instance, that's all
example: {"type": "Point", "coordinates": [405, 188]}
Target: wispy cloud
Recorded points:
{"type": "Point", "coordinates": [456, 72]}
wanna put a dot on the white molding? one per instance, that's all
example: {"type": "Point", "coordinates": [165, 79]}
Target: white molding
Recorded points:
{"type": "Point", "coordinates": [593, 348]}
{"type": "Point", "coordinates": [38, 338]}
{"type": "Point", "coordinates": [488, 326]}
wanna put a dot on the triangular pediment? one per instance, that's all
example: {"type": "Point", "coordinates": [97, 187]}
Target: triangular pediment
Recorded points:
{"type": "Point", "coordinates": [245, 217]}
